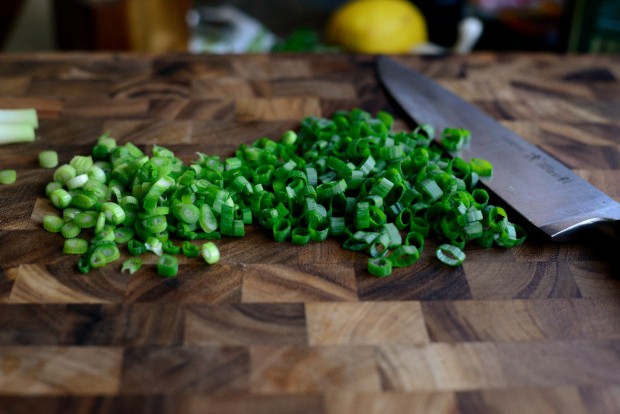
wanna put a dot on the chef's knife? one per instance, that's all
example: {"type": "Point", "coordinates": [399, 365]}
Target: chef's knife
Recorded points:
{"type": "Point", "coordinates": [537, 186]}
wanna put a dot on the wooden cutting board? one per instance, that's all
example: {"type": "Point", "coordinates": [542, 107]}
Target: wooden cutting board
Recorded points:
{"type": "Point", "coordinates": [277, 328]}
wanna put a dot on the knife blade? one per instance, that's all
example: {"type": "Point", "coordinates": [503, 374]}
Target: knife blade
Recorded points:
{"type": "Point", "coordinates": [540, 188]}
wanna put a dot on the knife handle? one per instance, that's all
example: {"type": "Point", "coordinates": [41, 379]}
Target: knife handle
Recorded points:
{"type": "Point", "coordinates": [608, 227]}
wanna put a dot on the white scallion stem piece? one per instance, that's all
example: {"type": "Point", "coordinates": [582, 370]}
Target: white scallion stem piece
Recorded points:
{"type": "Point", "coordinates": [20, 117]}
{"type": "Point", "coordinates": [15, 133]}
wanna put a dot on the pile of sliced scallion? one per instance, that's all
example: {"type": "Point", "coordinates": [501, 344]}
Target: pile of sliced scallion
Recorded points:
{"type": "Point", "coordinates": [382, 192]}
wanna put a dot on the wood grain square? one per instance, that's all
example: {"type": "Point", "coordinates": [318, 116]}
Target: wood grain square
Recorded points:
{"type": "Point", "coordinates": [188, 66]}
{"type": "Point", "coordinates": [148, 133]}
{"type": "Point", "coordinates": [530, 88]}
{"type": "Point", "coordinates": [100, 404]}
{"type": "Point", "coordinates": [167, 370]}
{"type": "Point", "coordinates": [481, 90]}
{"type": "Point", "coordinates": [105, 108]}
{"type": "Point", "coordinates": [323, 89]}
{"type": "Point", "coordinates": [559, 363]}
{"type": "Point", "coordinates": [184, 109]}
{"type": "Point", "coordinates": [596, 279]}
{"type": "Point", "coordinates": [584, 133]}
{"type": "Point", "coordinates": [7, 279]}
{"type": "Point", "coordinates": [31, 324]}
{"type": "Point", "coordinates": [565, 400]}
{"type": "Point", "coordinates": [439, 367]}
{"type": "Point", "coordinates": [257, 247]}
{"type": "Point", "coordinates": [32, 67]}
{"type": "Point", "coordinates": [221, 88]}
{"type": "Point", "coordinates": [60, 283]}
{"type": "Point", "coordinates": [305, 283]}
{"type": "Point", "coordinates": [248, 403]}
{"type": "Point", "coordinates": [601, 399]}
{"type": "Point", "coordinates": [14, 85]}
{"type": "Point", "coordinates": [605, 91]}
{"type": "Point", "coordinates": [426, 280]}
{"type": "Point", "coordinates": [537, 280]}
{"type": "Point", "coordinates": [59, 370]}
{"type": "Point", "coordinates": [42, 207]}
{"type": "Point", "coordinates": [276, 109]}
{"type": "Point", "coordinates": [366, 323]}
{"type": "Point", "coordinates": [215, 134]}
{"type": "Point", "coordinates": [390, 402]}
{"type": "Point", "coordinates": [330, 251]}
{"type": "Point", "coordinates": [181, 403]}
{"type": "Point", "coordinates": [245, 324]}
{"type": "Point", "coordinates": [521, 320]}
{"type": "Point", "coordinates": [307, 370]}
{"type": "Point", "coordinates": [124, 325]}
{"type": "Point", "coordinates": [150, 87]}
{"type": "Point", "coordinates": [18, 217]}
{"type": "Point", "coordinates": [280, 67]}
{"type": "Point", "coordinates": [99, 67]}
{"type": "Point", "coordinates": [603, 179]}
{"type": "Point", "coordinates": [69, 88]}
{"type": "Point", "coordinates": [196, 283]}
{"type": "Point", "coordinates": [69, 136]}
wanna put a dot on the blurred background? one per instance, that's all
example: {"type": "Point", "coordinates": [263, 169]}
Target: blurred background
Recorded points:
{"type": "Point", "coordinates": [239, 26]}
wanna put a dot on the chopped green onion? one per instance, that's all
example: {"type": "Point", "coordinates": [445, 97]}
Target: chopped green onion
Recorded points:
{"type": "Point", "coordinates": [189, 249]}
{"type": "Point", "coordinates": [86, 219]}
{"type": "Point", "coordinates": [70, 230]}
{"type": "Point", "coordinates": [16, 133]}
{"type": "Point", "coordinates": [26, 116]}
{"type": "Point", "coordinates": [379, 266]}
{"type": "Point", "coordinates": [431, 190]}
{"type": "Point", "coordinates": [210, 253]}
{"type": "Point", "coordinates": [106, 234]}
{"type": "Point", "coordinates": [113, 213]}
{"type": "Point", "coordinates": [75, 246]}
{"type": "Point", "coordinates": [131, 265]}
{"type": "Point", "coordinates": [81, 164]}
{"type": "Point", "coordinates": [453, 139]}
{"type": "Point", "coordinates": [186, 213]}
{"type": "Point", "coordinates": [154, 245]}
{"type": "Point", "coordinates": [48, 159]}
{"type": "Point", "coordinates": [107, 251]}
{"type": "Point", "coordinates": [481, 167]}
{"type": "Point", "coordinates": [76, 182]}
{"type": "Point", "coordinates": [64, 173]}
{"type": "Point", "coordinates": [8, 176]}
{"type": "Point", "coordinates": [60, 198]}
{"type": "Point", "coordinates": [450, 255]}
{"type": "Point", "coordinates": [404, 256]}
{"type": "Point", "coordinates": [350, 176]}
{"type": "Point", "coordinates": [300, 236]}
{"type": "Point", "coordinates": [100, 224]}
{"type": "Point", "coordinates": [136, 247]}
{"type": "Point", "coordinates": [281, 230]}
{"type": "Point", "coordinates": [167, 265]}
{"type": "Point", "coordinates": [170, 248]}
{"type": "Point", "coordinates": [51, 186]}
{"type": "Point", "coordinates": [123, 235]}
{"type": "Point", "coordinates": [81, 201]}
{"type": "Point", "coordinates": [53, 224]}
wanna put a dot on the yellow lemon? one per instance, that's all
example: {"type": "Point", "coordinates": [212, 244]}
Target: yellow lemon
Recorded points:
{"type": "Point", "coordinates": [377, 26]}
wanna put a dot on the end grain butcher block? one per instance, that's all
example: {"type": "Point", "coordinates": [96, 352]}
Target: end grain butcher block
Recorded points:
{"type": "Point", "coordinates": [278, 328]}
